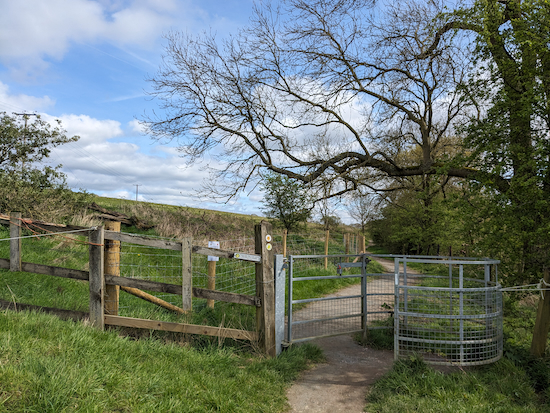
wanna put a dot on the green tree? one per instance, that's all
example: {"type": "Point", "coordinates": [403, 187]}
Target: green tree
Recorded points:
{"type": "Point", "coordinates": [27, 184]}
{"type": "Point", "coordinates": [286, 200]}
{"type": "Point", "coordinates": [510, 150]}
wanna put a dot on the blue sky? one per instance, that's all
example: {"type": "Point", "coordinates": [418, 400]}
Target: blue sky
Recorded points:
{"type": "Point", "coordinates": [86, 62]}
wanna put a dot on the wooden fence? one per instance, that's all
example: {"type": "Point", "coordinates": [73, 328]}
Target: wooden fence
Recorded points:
{"type": "Point", "coordinates": [104, 281]}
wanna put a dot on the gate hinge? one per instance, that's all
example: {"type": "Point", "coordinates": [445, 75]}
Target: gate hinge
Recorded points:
{"type": "Point", "coordinates": [257, 301]}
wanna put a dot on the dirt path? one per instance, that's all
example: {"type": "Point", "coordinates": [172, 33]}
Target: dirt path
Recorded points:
{"type": "Point", "coordinates": [341, 384]}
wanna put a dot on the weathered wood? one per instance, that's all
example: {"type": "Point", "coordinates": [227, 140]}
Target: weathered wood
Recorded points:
{"type": "Point", "coordinates": [187, 273]}
{"type": "Point", "coordinates": [265, 289]}
{"type": "Point", "coordinates": [119, 217]}
{"type": "Point", "coordinates": [152, 299]}
{"type": "Point", "coordinates": [227, 297]}
{"type": "Point", "coordinates": [97, 278]}
{"type": "Point", "coordinates": [48, 270]}
{"type": "Point", "coordinates": [327, 236]}
{"type": "Point", "coordinates": [177, 289]}
{"type": "Point", "coordinates": [211, 281]}
{"type": "Point", "coordinates": [41, 225]}
{"type": "Point", "coordinates": [144, 284]}
{"type": "Point", "coordinates": [542, 322]}
{"type": "Point", "coordinates": [181, 328]}
{"type": "Point", "coordinates": [143, 240]}
{"type": "Point", "coordinates": [226, 254]}
{"type": "Point", "coordinates": [112, 267]}
{"type": "Point", "coordinates": [15, 242]}
{"type": "Point", "coordinates": [63, 314]}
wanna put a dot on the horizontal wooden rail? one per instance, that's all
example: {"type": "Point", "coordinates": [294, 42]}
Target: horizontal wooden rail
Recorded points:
{"type": "Point", "coordinates": [47, 270]}
{"type": "Point", "coordinates": [143, 240]}
{"type": "Point", "coordinates": [63, 314]}
{"type": "Point", "coordinates": [181, 328]}
{"type": "Point", "coordinates": [48, 226]}
{"type": "Point", "coordinates": [177, 289]}
{"type": "Point", "coordinates": [226, 254]}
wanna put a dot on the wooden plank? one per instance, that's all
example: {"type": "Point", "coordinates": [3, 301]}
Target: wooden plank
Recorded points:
{"type": "Point", "coordinates": [41, 225]}
{"type": "Point", "coordinates": [143, 240]}
{"type": "Point", "coordinates": [227, 297]}
{"type": "Point", "coordinates": [177, 289]}
{"type": "Point", "coordinates": [63, 314]}
{"type": "Point", "coordinates": [542, 322]}
{"type": "Point", "coordinates": [265, 289]}
{"type": "Point", "coordinates": [144, 284]}
{"type": "Point", "coordinates": [187, 273]}
{"type": "Point", "coordinates": [48, 270]}
{"type": "Point", "coordinates": [112, 267]}
{"type": "Point", "coordinates": [181, 328]}
{"type": "Point", "coordinates": [97, 278]}
{"type": "Point", "coordinates": [15, 241]}
{"type": "Point", "coordinates": [152, 299]}
{"type": "Point", "coordinates": [226, 254]}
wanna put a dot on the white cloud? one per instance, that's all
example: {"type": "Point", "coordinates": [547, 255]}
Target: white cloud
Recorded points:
{"type": "Point", "coordinates": [34, 30]}
{"type": "Point", "coordinates": [21, 102]}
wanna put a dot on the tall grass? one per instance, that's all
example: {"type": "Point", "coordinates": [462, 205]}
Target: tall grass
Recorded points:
{"type": "Point", "coordinates": [47, 365]}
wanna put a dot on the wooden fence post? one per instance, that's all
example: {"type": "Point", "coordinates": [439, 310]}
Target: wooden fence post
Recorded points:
{"type": "Point", "coordinates": [187, 273]}
{"type": "Point", "coordinates": [542, 323]}
{"type": "Point", "coordinates": [327, 234]}
{"type": "Point", "coordinates": [211, 272]}
{"type": "Point", "coordinates": [285, 232]}
{"type": "Point", "coordinates": [112, 267]}
{"type": "Point", "coordinates": [347, 238]}
{"type": "Point", "coordinates": [15, 242]}
{"type": "Point", "coordinates": [362, 247]}
{"type": "Point", "coordinates": [97, 278]}
{"type": "Point", "coordinates": [265, 289]}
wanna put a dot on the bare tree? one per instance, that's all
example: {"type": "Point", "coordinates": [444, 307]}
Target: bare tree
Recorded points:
{"type": "Point", "coordinates": [318, 90]}
{"type": "Point", "coordinates": [363, 207]}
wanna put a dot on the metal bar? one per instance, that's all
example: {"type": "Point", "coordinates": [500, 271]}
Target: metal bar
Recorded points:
{"type": "Point", "coordinates": [312, 300]}
{"type": "Point", "coordinates": [279, 302]}
{"type": "Point", "coordinates": [327, 277]}
{"type": "Point", "coordinates": [289, 312]}
{"type": "Point", "coordinates": [316, 320]}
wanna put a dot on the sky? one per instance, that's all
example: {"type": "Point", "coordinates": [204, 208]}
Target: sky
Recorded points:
{"type": "Point", "coordinates": [86, 62]}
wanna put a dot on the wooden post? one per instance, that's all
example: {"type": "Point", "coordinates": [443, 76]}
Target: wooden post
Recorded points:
{"type": "Point", "coordinates": [97, 278]}
{"type": "Point", "coordinates": [15, 242]}
{"type": "Point", "coordinates": [187, 273]}
{"type": "Point", "coordinates": [265, 289]}
{"type": "Point", "coordinates": [327, 234]}
{"type": "Point", "coordinates": [211, 272]}
{"type": "Point", "coordinates": [361, 243]}
{"type": "Point", "coordinates": [542, 323]}
{"type": "Point", "coordinates": [285, 232]}
{"type": "Point", "coordinates": [211, 276]}
{"type": "Point", "coordinates": [112, 267]}
{"type": "Point", "coordinates": [347, 237]}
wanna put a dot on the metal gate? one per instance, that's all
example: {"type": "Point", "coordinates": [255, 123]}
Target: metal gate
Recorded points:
{"type": "Point", "coordinates": [349, 309]}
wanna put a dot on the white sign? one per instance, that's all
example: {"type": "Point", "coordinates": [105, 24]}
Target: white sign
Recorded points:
{"type": "Point", "coordinates": [213, 244]}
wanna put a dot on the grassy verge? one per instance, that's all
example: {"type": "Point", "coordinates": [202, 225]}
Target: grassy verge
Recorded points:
{"type": "Point", "coordinates": [516, 383]}
{"type": "Point", "coordinates": [48, 365]}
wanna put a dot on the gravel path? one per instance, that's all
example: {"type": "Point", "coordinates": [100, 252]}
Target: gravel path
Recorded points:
{"type": "Point", "coordinates": [341, 384]}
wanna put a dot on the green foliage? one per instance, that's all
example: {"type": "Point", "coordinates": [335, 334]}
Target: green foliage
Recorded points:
{"type": "Point", "coordinates": [26, 183]}
{"type": "Point", "coordinates": [286, 200]}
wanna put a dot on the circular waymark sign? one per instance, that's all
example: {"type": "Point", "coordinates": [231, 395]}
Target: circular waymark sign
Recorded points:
{"type": "Point", "coordinates": [268, 238]}
{"type": "Point", "coordinates": [268, 246]}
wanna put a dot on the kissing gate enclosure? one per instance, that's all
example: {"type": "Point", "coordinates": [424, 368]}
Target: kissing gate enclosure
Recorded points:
{"type": "Point", "coordinates": [449, 314]}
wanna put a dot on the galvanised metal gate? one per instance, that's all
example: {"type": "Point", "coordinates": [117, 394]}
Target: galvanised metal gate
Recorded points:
{"type": "Point", "coordinates": [354, 306]}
